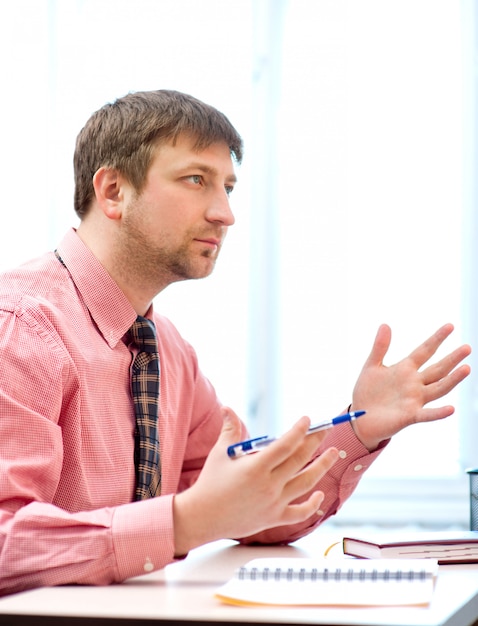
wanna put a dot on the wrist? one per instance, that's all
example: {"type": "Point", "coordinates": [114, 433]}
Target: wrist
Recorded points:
{"type": "Point", "coordinates": [191, 528]}
{"type": "Point", "coordinates": [370, 443]}
{"type": "Point", "coordinates": [185, 537]}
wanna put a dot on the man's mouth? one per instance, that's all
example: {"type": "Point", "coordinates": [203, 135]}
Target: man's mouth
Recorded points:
{"type": "Point", "coordinates": [210, 241]}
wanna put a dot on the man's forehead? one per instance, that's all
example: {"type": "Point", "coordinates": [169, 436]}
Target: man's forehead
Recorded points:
{"type": "Point", "coordinates": [186, 149]}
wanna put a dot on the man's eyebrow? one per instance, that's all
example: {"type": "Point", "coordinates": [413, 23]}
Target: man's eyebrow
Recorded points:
{"type": "Point", "coordinates": [207, 169]}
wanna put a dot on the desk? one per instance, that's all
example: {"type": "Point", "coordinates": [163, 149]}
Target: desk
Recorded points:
{"type": "Point", "coordinates": [183, 594]}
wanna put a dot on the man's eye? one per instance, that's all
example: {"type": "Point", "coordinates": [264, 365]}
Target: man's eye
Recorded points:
{"type": "Point", "coordinates": [195, 178]}
{"type": "Point", "coordinates": [229, 189]}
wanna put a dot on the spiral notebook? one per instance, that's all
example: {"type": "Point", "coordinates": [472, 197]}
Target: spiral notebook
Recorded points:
{"type": "Point", "coordinates": [327, 582]}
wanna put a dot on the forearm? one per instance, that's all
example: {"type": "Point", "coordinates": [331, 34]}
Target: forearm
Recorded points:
{"type": "Point", "coordinates": [46, 546]}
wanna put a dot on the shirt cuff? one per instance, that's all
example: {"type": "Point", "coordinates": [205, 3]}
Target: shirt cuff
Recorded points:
{"type": "Point", "coordinates": [354, 459]}
{"type": "Point", "coordinates": [143, 536]}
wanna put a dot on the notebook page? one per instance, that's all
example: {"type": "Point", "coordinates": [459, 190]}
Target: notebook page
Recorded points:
{"type": "Point", "coordinates": [326, 582]}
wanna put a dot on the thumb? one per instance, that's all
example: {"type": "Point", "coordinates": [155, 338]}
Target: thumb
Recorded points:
{"type": "Point", "coordinates": [380, 346]}
{"type": "Point", "coordinates": [232, 431]}
{"type": "Point", "coordinates": [232, 427]}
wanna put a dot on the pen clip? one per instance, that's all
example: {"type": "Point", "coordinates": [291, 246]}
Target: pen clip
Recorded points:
{"type": "Point", "coordinates": [243, 447]}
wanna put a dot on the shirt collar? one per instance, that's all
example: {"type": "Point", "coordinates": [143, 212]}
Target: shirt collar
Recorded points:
{"type": "Point", "coordinates": [107, 304]}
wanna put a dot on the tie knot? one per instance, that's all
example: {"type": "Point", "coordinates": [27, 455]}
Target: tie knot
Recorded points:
{"type": "Point", "coordinates": [143, 334]}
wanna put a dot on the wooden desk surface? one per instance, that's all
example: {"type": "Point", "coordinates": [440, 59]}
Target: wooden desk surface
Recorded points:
{"type": "Point", "coordinates": [183, 593]}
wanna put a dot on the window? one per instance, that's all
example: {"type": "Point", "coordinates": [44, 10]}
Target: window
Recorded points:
{"type": "Point", "coordinates": [372, 222]}
{"type": "Point", "coordinates": [371, 201]}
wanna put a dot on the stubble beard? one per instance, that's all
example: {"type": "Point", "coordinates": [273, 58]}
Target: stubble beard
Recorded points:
{"type": "Point", "coordinates": [152, 263]}
{"type": "Point", "coordinates": [181, 266]}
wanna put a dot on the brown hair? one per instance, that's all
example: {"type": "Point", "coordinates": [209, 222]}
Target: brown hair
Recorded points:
{"type": "Point", "coordinates": [124, 134]}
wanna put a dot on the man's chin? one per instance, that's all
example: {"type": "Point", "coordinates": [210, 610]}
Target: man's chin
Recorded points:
{"type": "Point", "coordinates": [196, 272]}
{"type": "Point", "coordinates": [207, 271]}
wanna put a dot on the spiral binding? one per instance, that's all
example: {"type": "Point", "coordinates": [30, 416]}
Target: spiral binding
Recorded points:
{"type": "Point", "coordinates": [328, 574]}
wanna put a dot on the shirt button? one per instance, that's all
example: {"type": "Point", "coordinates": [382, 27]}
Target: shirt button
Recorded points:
{"type": "Point", "coordinates": [358, 467]}
{"type": "Point", "coordinates": [342, 454]}
{"type": "Point", "coordinates": [148, 566]}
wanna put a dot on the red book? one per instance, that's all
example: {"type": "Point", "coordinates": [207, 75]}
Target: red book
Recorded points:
{"type": "Point", "coordinates": [445, 546]}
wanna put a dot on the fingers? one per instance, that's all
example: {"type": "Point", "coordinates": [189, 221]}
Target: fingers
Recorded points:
{"type": "Point", "coordinates": [298, 512]}
{"type": "Point", "coordinates": [289, 461]}
{"type": "Point", "coordinates": [294, 467]}
{"type": "Point", "coordinates": [440, 388]}
{"type": "Point", "coordinates": [438, 370]}
{"type": "Point", "coordinates": [421, 354]}
{"type": "Point", "coordinates": [300, 496]}
{"type": "Point", "coordinates": [428, 348]}
{"type": "Point", "coordinates": [308, 477]}
{"type": "Point", "coordinates": [441, 377]}
{"type": "Point", "coordinates": [293, 450]}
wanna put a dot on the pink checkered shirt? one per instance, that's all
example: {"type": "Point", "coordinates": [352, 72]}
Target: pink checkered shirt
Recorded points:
{"type": "Point", "coordinates": [67, 475]}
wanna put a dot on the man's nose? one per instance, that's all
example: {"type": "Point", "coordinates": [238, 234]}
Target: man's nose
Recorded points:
{"type": "Point", "coordinates": [220, 209]}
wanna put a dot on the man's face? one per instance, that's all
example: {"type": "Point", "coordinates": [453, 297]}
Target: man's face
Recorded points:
{"type": "Point", "coordinates": [173, 230]}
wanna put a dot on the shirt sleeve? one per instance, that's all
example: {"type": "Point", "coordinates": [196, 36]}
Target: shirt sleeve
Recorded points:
{"type": "Point", "coordinates": [41, 544]}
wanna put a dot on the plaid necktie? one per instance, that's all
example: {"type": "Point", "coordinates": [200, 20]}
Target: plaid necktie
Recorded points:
{"type": "Point", "coordinates": [145, 389]}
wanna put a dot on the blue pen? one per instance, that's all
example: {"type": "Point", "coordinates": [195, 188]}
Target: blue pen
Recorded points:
{"type": "Point", "coordinates": [253, 445]}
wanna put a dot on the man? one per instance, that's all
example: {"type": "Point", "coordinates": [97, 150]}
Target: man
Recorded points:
{"type": "Point", "coordinates": [80, 452]}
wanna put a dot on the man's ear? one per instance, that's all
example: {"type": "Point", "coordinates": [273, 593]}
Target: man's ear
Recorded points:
{"type": "Point", "coordinates": [109, 186]}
